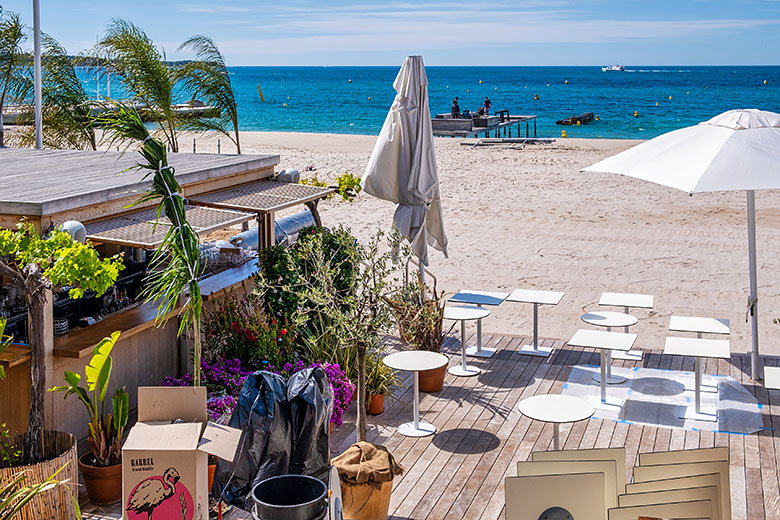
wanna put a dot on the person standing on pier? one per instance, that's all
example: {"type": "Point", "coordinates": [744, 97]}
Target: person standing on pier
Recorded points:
{"type": "Point", "coordinates": [455, 108]}
{"type": "Point", "coordinates": [488, 104]}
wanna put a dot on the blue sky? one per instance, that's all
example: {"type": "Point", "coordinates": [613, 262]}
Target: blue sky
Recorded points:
{"type": "Point", "coordinates": [478, 32]}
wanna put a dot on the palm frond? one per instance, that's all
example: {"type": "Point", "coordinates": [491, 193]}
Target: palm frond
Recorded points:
{"type": "Point", "coordinates": [207, 77]}
{"type": "Point", "coordinates": [175, 265]}
{"type": "Point", "coordinates": [128, 53]}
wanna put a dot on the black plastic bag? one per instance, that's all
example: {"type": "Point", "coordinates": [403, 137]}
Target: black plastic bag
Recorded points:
{"type": "Point", "coordinates": [311, 405]}
{"type": "Point", "coordinates": [263, 414]}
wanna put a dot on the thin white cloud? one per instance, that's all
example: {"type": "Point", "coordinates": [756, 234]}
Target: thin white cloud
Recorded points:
{"type": "Point", "coordinates": [211, 8]}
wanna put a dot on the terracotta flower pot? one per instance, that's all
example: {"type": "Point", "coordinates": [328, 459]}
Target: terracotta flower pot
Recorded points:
{"type": "Point", "coordinates": [376, 404]}
{"type": "Point", "coordinates": [212, 470]}
{"type": "Point", "coordinates": [103, 483]}
{"type": "Point", "coordinates": [432, 380]}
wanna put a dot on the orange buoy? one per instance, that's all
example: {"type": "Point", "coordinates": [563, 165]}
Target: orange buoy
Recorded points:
{"type": "Point", "coordinates": [670, 97]}
{"type": "Point", "coordinates": [636, 113]}
{"type": "Point", "coordinates": [563, 133]}
{"type": "Point", "coordinates": [597, 118]}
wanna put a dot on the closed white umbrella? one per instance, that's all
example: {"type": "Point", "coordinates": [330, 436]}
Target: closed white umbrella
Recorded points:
{"type": "Point", "coordinates": [402, 167]}
{"type": "Point", "coordinates": [736, 150]}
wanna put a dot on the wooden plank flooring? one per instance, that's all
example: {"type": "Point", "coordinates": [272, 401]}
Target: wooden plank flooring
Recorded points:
{"type": "Point", "coordinates": [459, 472]}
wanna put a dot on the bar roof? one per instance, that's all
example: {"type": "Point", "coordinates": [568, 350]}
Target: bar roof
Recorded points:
{"type": "Point", "coordinates": [44, 182]}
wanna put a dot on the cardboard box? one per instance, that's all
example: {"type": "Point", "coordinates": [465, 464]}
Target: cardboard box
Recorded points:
{"type": "Point", "coordinates": [165, 464]}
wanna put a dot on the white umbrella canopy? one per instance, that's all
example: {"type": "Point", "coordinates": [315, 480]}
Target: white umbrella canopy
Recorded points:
{"type": "Point", "coordinates": [736, 150]}
{"type": "Point", "coordinates": [402, 167]}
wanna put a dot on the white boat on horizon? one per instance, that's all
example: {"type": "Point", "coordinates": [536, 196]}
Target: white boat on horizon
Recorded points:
{"type": "Point", "coordinates": [620, 68]}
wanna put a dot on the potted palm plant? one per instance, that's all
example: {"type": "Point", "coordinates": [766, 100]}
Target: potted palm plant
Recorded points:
{"type": "Point", "coordinates": [380, 383]}
{"type": "Point", "coordinates": [420, 316]}
{"type": "Point", "coordinates": [102, 467]}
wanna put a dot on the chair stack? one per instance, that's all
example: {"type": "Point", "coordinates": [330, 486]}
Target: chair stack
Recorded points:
{"type": "Point", "coordinates": [684, 485]}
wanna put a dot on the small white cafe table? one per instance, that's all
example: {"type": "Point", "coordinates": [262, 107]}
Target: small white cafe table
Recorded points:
{"type": "Point", "coordinates": [537, 298]}
{"type": "Point", "coordinates": [556, 409]}
{"type": "Point", "coordinates": [479, 298]}
{"type": "Point", "coordinates": [627, 301]}
{"type": "Point", "coordinates": [464, 313]}
{"type": "Point", "coordinates": [701, 326]}
{"type": "Point", "coordinates": [610, 319]}
{"type": "Point", "coordinates": [415, 361]}
{"type": "Point", "coordinates": [605, 342]}
{"type": "Point", "coordinates": [699, 348]}
{"type": "Point", "coordinates": [772, 378]}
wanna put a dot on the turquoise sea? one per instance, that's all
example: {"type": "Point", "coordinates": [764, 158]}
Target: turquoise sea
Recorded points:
{"type": "Point", "coordinates": [322, 99]}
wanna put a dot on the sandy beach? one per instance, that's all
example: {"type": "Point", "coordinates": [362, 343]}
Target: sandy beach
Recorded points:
{"type": "Point", "coordinates": [526, 217]}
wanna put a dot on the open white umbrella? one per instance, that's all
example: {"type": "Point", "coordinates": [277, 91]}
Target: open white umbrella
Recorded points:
{"type": "Point", "coordinates": [402, 167]}
{"type": "Point", "coordinates": [736, 150]}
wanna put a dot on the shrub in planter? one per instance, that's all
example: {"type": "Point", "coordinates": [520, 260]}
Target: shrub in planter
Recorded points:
{"type": "Point", "coordinates": [240, 329]}
{"type": "Point", "coordinates": [102, 468]}
{"type": "Point", "coordinates": [381, 381]}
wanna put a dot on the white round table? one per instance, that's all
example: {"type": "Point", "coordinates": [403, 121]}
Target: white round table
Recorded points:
{"type": "Point", "coordinates": [609, 319]}
{"type": "Point", "coordinates": [556, 409]}
{"type": "Point", "coordinates": [415, 361]}
{"type": "Point", "coordinates": [464, 313]}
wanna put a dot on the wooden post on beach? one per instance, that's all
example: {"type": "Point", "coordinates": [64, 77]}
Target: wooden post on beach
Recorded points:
{"type": "Point", "coordinates": [526, 129]}
{"type": "Point", "coordinates": [193, 145]}
{"type": "Point", "coordinates": [534, 127]}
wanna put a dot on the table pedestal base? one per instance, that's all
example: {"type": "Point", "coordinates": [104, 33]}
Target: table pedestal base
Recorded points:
{"type": "Point", "coordinates": [464, 371]}
{"type": "Point", "coordinates": [631, 355]}
{"type": "Point", "coordinates": [706, 414]}
{"type": "Point", "coordinates": [423, 429]}
{"type": "Point", "coordinates": [532, 350]}
{"type": "Point", "coordinates": [611, 379]}
{"type": "Point", "coordinates": [610, 404]}
{"type": "Point", "coordinates": [484, 352]}
{"type": "Point", "coordinates": [711, 387]}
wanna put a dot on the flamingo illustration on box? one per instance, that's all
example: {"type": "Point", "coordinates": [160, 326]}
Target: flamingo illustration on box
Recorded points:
{"type": "Point", "coordinates": [152, 495]}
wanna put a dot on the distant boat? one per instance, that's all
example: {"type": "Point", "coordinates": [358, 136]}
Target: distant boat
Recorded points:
{"type": "Point", "coordinates": [613, 67]}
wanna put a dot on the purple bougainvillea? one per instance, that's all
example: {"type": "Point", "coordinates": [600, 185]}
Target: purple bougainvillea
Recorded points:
{"type": "Point", "coordinates": [224, 378]}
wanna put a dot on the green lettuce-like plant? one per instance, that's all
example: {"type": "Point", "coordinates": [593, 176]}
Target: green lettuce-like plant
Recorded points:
{"type": "Point", "coordinates": [105, 428]}
{"type": "Point", "coordinates": [36, 265]}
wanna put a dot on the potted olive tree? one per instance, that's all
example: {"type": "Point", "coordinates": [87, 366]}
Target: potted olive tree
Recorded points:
{"type": "Point", "coordinates": [102, 468]}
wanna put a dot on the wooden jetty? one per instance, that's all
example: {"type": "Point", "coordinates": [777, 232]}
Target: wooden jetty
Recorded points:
{"type": "Point", "coordinates": [573, 120]}
{"type": "Point", "coordinates": [459, 472]}
{"type": "Point", "coordinates": [444, 125]}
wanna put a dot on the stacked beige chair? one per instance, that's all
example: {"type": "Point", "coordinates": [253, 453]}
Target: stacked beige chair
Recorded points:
{"type": "Point", "coordinates": [685, 485]}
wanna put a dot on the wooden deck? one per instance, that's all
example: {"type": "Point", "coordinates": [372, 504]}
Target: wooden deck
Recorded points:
{"type": "Point", "coordinates": [459, 472]}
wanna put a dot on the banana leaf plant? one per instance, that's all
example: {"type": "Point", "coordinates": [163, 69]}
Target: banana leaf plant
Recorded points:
{"type": "Point", "coordinates": [175, 265]}
{"type": "Point", "coordinates": [105, 427]}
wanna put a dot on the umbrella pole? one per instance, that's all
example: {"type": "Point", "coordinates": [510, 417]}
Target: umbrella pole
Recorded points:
{"type": "Point", "coordinates": [752, 310]}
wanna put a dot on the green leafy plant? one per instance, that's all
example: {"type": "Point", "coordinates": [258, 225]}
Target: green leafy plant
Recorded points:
{"type": "Point", "coordinates": [207, 76]}
{"type": "Point", "coordinates": [240, 329]}
{"type": "Point", "coordinates": [175, 265]}
{"type": "Point", "coordinates": [347, 185]}
{"type": "Point", "coordinates": [380, 378]}
{"type": "Point", "coordinates": [10, 453]}
{"type": "Point", "coordinates": [106, 427]}
{"type": "Point", "coordinates": [36, 265]}
{"type": "Point", "coordinates": [15, 494]}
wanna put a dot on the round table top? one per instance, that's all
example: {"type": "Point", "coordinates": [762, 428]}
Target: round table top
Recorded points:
{"type": "Point", "coordinates": [556, 408]}
{"type": "Point", "coordinates": [415, 360]}
{"type": "Point", "coordinates": [465, 312]}
{"type": "Point", "coordinates": [609, 319]}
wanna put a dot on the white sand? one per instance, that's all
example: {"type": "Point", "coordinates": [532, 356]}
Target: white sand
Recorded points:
{"type": "Point", "coordinates": [527, 218]}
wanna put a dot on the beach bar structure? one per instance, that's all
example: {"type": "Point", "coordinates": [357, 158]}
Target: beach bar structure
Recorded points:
{"type": "Point", "coordinates": [50, 187]}
{"type": "Point", "coordinates": [444, 125]}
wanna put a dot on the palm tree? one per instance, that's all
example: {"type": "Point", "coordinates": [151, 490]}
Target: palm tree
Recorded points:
{"type": "Point", "coordinates": [66, 109]}
{"type": "Point", "coordinates": [208, 77]}
{"type": "Point", "coordinates": [127, 52]}
{"type": "Point", "coordinates": [12, 61]}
